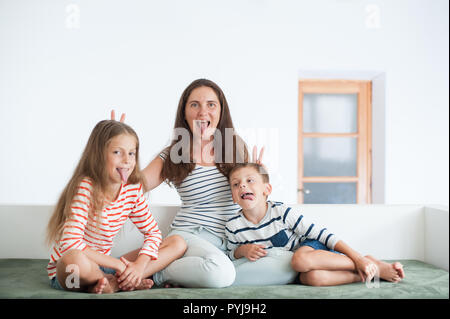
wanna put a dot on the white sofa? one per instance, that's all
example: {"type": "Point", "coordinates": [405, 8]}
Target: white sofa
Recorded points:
{"type": "Point", "coordinates": [385, 231]}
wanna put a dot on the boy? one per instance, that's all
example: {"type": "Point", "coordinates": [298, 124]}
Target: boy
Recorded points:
{"type": "Point", "coordinates": [321, 258]}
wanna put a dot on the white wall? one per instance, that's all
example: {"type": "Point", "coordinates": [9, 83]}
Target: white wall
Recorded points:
{"type": "Point", "coordinates": [60, 75]}
{"type": "Point", "coordinates": [379, 139]}
{"type": "Point", "coordinates": [408, 233]}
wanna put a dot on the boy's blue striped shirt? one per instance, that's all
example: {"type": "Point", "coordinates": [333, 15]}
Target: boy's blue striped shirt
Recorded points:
{"type": "Point", "coordinates": [282, 226]}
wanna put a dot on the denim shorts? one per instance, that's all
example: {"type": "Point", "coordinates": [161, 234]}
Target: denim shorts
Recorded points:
{"type": "Point", "coordinates": [54, 283]}
{"type": "Point", "coordinates": [316, 245]}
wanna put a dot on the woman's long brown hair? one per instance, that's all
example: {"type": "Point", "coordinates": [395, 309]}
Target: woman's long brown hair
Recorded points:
{"type": "Point", "coordinates": [92, 165]}
{"type": "Point", "coordinates": [175, 173]}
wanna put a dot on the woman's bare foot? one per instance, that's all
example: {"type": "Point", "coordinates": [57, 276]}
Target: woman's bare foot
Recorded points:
{"type": "Point", "coordinates": [172, 286]}
{"type": "Point", "coordinates": [389, 272]}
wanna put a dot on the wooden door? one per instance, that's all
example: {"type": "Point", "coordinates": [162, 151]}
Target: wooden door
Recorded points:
{"type": "Point", "coordinates": [334, 141]}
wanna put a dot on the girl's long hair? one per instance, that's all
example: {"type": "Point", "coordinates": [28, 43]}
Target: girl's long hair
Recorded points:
{"type": "Point", "coordinates": [92, 165]}
{"type": "Point", "coordinates": [175, 173]}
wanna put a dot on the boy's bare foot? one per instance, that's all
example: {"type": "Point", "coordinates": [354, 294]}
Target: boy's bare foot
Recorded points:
{"type": "Point", "coordinates": [399, 267]}
{"type": "Point", "coordinates": [389, 272]}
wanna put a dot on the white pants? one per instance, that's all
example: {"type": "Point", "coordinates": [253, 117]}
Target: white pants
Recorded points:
{"type": "Point", "coordinates": [272, 269]}
{"type": "Point", "coordinates": [206, 264]}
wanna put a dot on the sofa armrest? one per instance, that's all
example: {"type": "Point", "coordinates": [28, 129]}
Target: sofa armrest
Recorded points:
{"type": "Point", "coordinates": [436, 236]}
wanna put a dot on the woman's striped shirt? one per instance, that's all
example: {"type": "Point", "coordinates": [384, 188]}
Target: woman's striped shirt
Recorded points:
{"type": "Point", "coordinates": [81, 231]}
{"type": "Point", "coordinates": [282, 226]}
{"type": "Point", "coordinates": [205, 200]}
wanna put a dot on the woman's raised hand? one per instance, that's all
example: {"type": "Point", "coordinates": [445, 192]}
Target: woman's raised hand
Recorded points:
{"type": "Point", "coordinates": [257, 159]}
{"type": "Point", "coordinates": [113, 116]}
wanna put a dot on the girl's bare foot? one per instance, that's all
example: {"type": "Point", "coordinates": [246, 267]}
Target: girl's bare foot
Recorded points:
{"type": "Point", "coordinates": [145, 284]}
{"type": "Point", "coordinates": [389, 272]}
{"type": "Point", "coordinates": [105, 285]}
{"type": "Point", "coordinates": [99, 286]}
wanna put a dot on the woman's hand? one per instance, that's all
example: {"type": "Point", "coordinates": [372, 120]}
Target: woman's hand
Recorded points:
{"type": "Point", "coordinates": [257, 159]}
{"type": "Point", "coordinates": [113, 116]}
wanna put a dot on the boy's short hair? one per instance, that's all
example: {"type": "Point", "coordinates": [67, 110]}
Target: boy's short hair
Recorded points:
{"type": "Point", "coordinates": [259, 168]}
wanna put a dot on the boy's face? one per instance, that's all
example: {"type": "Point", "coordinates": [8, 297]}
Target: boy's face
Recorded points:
{"type": "Point", "coordinates": [248, 188]}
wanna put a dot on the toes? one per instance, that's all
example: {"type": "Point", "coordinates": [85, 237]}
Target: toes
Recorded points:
{"type": "Point", "coordinates": [399, 269]}
{"type": "Point", "coordinates": [101, 284]}
{"type": "Point", "coordinates": [171, 286]}
{"type": "Point", "coordinates": [147, 283]}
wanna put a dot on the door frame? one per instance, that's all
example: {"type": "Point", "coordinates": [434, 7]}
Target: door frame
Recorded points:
{"type": "Point", "coordinates": [363, 177]}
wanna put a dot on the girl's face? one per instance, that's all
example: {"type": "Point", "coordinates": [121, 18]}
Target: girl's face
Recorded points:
{"type": "Point", "coordinates": [202, 111]}
{"type": "Point", "coordinates": [121, 158]}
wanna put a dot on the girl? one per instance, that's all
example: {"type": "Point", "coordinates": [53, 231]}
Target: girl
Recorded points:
{"type": "Point", "coordinates": [202, 185]}
{"type": "Point", "coordinates": [104, 191]}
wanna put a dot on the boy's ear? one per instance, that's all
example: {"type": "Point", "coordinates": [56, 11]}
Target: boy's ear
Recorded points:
{"type": "Point", "coordinates": [267, 189]}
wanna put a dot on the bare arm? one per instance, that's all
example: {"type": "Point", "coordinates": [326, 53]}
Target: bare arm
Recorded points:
{"type": "Point", "coordinates": [104, 260]}
{"type": "Point", "coordinates": [347, 250]}
{"type": "Point", "coordinates": [152, 174]}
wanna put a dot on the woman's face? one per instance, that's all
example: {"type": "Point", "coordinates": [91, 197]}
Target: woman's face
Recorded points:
{"type": "Point", "coordinates": [202, 111]}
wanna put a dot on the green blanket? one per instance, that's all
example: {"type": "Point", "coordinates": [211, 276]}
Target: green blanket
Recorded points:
{"type": "Point", "coordinates": [27, 278]}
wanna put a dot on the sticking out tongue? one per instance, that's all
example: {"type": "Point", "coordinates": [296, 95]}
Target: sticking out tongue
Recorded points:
{"type": "Point", "coordinates": [123, 174]}
{"type": "Point", "coordinates": [249, 196]}
{"type": "Point", "coordinates": [203, 127]}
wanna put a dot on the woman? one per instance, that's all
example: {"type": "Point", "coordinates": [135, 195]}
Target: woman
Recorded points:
{"type": "Point", "coordinates": [197, 163]}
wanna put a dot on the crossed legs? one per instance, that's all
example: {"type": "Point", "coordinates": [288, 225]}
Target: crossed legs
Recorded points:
{"type": "Point", "coordinates": [86, 274]}
{"type": "Point", "coordinates": [324, 268]}
{"type": "Point", "coordinates": [90, 278]}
